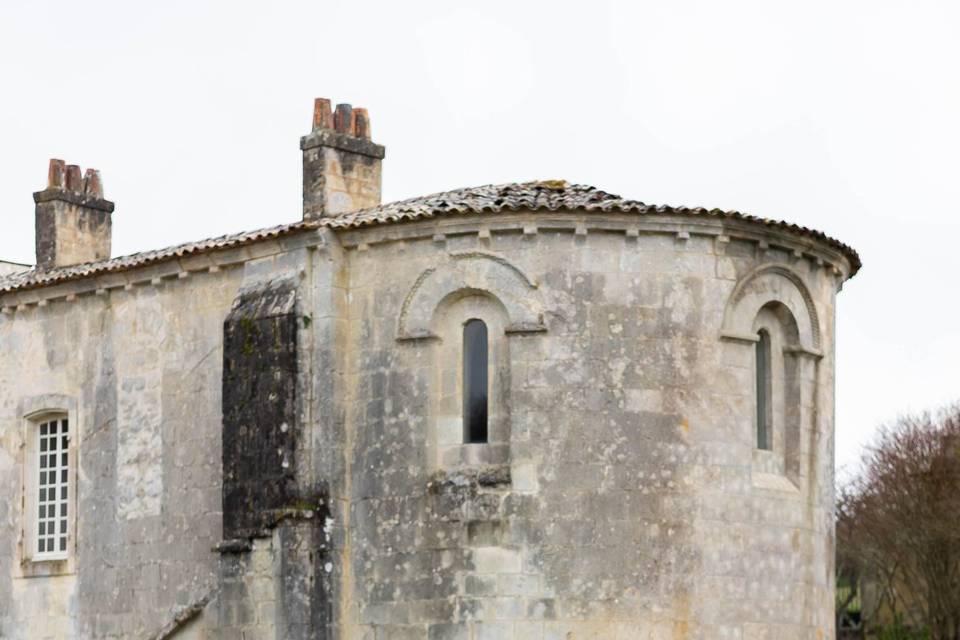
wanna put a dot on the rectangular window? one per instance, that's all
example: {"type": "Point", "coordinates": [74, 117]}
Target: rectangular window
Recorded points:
{"type": "Point", "coordinates": [52, 503]}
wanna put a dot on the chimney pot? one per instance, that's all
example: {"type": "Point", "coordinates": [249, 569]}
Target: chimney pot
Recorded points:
{"type": "Point", "coordinates": [55, 174]}
{"type": "Point", "coordinates": [343, 119]}
{"type": "Point", "coordinates": [74, 182]}
{"type": "Point", "coordinates": [322, 114]}
{"type": "Point", "coordinates": [92, 185]}
{"type": "Point", "coordinates": [361, 123]}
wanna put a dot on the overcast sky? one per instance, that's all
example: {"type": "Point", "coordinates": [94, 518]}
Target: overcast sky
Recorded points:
{"type": "Point", "coordinates": [842, 116]}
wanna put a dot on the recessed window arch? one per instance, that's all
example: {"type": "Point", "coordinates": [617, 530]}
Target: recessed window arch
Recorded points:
{"type": "Point", "coordinates": [777, 390]}
{"type": "Point", "coordinates": [781, 388]}
{"type": "Point", "coordinates": [475, 381]}
{"type": "Point", "coordinates": [471, 406]}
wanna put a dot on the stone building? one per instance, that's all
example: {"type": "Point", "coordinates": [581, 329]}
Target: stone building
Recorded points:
{"type": "Point", "coordinates": [534, 411]}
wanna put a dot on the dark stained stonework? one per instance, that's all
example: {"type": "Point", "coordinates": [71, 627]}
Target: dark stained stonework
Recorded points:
{"type": "Point", "coordinates": [259, 409]}
{"type": "Point", "coordinates": [264, 504]}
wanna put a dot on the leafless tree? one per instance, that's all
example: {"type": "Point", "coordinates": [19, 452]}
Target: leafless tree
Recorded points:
{"type": "Point", "coordinates": [898, 521]}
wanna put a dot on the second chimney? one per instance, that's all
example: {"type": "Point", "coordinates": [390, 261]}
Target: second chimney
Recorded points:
{"type": "Point", "coordinates": [341, 166]}
{"type": "Point", "coordinates": [72, 218]}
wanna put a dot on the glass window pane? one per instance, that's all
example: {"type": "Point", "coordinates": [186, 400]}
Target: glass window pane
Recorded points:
{"type": "Point", "coordinates": [52, 474]}
{"type": "Point", "coordinates": [763, 390]}
{"type": "Point", "coordinates": [475, 383]}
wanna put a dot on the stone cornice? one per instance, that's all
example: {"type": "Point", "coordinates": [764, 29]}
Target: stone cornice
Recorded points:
{"type": "Point", "coordinates": [581, 225]}
{"type": "Point", "coordinates": [529, 224]}
{"type": "Point", "coordinates": [323, 138]}
{"type": "Point", "coordinates": [80, 199]}
{"type": "Point", "coordinates": [155, 274]}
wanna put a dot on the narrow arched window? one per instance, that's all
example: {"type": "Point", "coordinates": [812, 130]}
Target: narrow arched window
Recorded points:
{"type": "Point", "coordinates": [475, 384]}
{"type": "Point", "coordinates": [764, 391]}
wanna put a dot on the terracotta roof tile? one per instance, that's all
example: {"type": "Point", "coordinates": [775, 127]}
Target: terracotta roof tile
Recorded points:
{"type": "Point", "coordinates": [550, 195]}
{"type": "Point", "coordinates": [35, 278]}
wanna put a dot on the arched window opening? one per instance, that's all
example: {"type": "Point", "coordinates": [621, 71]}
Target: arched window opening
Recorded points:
{"type": "Point", "coordinates": [475, 383]}
{"type": "Point", "coordinates": [764, 392]}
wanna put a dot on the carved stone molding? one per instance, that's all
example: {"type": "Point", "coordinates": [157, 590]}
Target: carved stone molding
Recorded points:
{"type": "Point", "coordinates": [772, 283]}
{"type": "Point", "coordinates": [470, 273]}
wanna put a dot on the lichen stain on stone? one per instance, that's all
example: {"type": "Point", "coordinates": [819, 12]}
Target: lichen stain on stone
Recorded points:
{"type": "Point", "coordinates": [259, 403]}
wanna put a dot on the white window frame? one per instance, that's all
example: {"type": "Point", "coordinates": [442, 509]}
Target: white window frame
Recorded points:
{"type": "Point", "coordinates": [49, 447]}
{"type": "Point", "coordinates": [35, 412]}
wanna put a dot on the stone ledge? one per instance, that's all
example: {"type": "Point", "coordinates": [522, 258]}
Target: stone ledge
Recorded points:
{"type": "Point", "coordinates": [632, 227]}
{"type": "Point", "coordinates": [343, 142]}
{"type": "Point", "coordinates": [62, 195]}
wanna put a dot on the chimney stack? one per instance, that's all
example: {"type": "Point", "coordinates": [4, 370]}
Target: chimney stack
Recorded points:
{"type": "Point", "coordinates": [341, 166]}
{"type": "Point", "coordinates": [72, 218]}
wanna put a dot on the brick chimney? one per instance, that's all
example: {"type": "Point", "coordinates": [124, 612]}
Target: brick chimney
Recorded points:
{"type": "Point", "coordinates": [72, 218]}
{"type": "Point", "coordinates": [341, 166]}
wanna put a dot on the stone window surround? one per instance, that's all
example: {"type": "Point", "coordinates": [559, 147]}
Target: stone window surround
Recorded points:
{"type": "Point", "coordinates": [783, 428]}
{"type": "Point", "coordinates": [32, 411]}
{"type": "Point", "coordinates": [460, 286]}
{"type": "Point", "coordinates": [790, 316]}
{"type": "Point", "coordinates": [450, 449]}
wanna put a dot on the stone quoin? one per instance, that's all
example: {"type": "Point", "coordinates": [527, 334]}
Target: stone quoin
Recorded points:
{"type": "Point", "coordinates": [530, 411]}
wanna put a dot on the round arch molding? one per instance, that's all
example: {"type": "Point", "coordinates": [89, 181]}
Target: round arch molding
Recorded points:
{"type": "Point", "coordinates": [772, 283]}
{"type": "Point", "coordinates": [466, 273]}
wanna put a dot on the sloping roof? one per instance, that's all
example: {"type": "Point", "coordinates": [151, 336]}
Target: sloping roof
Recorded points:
{"type": "Point", "coordinates": [42, 277]}
{"type": "Point", "coordinates": [550, 195]}
{"type": "Point", "coordinates": [9, 268]}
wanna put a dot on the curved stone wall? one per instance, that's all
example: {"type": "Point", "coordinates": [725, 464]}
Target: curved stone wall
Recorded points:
{"type": "Point", "coordinates": [621, 493]}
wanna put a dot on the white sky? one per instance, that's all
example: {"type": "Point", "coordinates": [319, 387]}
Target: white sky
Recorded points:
{"type": "Point", "coordinates": [839, 115]}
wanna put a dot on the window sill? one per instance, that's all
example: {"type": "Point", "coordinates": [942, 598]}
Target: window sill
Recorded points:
{"type": "Point", "coordinates": [474, 454]}
{"type": "Point", "coordinates": [47, 568]}
{"type": "Point", "coordinates": [481, 476]}
{"type": "Point", "coordinates": [773, 482]}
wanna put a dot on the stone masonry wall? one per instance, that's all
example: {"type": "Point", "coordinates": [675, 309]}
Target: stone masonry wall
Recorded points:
{"type": "Point", "coordinates": [621, 494]}
{"type": "Point", "coordinates": [629, 500]}
{"type": "Point", "coordinates": [143, 365]}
